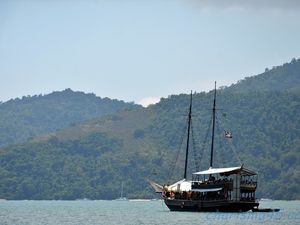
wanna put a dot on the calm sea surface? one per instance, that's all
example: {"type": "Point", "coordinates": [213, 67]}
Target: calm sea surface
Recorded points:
{"type": "Point", "coordinates": [134, 213]}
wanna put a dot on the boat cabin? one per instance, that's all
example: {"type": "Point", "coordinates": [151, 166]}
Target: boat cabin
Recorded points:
{"type": "Point", "coordinates": [233, 183]}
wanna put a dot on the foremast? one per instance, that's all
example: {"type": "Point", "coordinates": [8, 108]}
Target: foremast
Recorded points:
{"type": "Point", "coordinates": [188, 138]}
{"type": "Point", "coordinates": [213, 128]}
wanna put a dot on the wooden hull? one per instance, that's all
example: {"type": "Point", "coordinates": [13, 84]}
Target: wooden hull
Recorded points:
{"type": "Point", "coordinates": [209, 206]}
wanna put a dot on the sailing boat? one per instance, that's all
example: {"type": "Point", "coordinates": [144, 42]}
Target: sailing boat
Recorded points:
{"type": "Point", "coordinates": [122, 198]}
{"type": "Point", "coordinates": [230, 189]}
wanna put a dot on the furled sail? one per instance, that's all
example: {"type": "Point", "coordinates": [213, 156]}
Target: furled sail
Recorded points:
{"type": "Point", "coordinates": [158, 188]}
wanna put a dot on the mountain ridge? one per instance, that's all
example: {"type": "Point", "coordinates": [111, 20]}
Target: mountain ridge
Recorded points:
{"type": "Point", "coordinates": [284, 77]}
{"type": "Point", "coordinates": [32, 116]}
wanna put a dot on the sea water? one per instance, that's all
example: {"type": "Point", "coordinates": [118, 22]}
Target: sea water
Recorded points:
{"type": "Point", "coordinates": [135, 213]}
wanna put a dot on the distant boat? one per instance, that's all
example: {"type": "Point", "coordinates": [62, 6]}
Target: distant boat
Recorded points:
{"type": "Point", "coordinates": [140, 200]}
{"type": "Point", "coordinates": [230, 189]}
{"type": "Point", "coordinates": [82, 199]}
{"type": "Point", "coordinates": [266, 199]}
{"type": "Point", "coordinates": [122, 198]}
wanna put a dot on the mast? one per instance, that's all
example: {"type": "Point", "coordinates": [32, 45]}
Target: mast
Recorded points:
{"type": "Point", "coordinates": [213, 128]}
{"type": "Point", "coordinates": [188, 138]}
{"type": "Point", "coordinates": [122, 189]}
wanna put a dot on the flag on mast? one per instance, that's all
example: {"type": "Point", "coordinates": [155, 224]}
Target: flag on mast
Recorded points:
{"type": "Point", "coordinates": [227, 134]}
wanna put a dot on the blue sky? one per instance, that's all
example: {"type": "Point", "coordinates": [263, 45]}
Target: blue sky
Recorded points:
{"type": "Point", "coordinates": [138, 50]}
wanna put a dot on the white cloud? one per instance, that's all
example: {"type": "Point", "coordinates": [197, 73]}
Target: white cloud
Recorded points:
{"type": "Point", "coordinates": [148, 101]}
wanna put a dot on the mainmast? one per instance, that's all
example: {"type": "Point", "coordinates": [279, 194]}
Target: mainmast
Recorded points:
{"type": "Point", "coordinates": [188, 138]}
{"type": "Point", "coordinates": [213, 128]}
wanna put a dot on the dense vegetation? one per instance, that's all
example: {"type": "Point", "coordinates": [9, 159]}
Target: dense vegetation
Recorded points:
{"type": "Point", "coordinates": [93, 158]}
{"type": "Point", "coordinates": [285, 77]}
{"type": "Point", "coordinates": [31, 116]}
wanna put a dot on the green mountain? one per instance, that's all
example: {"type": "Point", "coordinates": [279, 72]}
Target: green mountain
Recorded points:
{"type": "Point", "coordinates": [32, 116]}
{"type": "Point", "coordinates": [93, 158]}
{"type": "Point", "coordinates": [279, 78]}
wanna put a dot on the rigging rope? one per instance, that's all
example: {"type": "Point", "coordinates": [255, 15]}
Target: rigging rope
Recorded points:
{"type": "Point", "coordinates": [232, 147]}
{"type": "Point", "coordinates": [222, 146]}
{"type": "Point", "coordinates": [205, 141]}
{"type": "Point", "coordinates": [194, 148]}
{"type": "Point", "coordinates": [154, 172]}
{"type": "Point", "coordinates": [172, 169]}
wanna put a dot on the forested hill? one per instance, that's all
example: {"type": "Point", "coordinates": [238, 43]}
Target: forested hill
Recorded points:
{"type": "Point", "coordinates": [31, 116]}
{"type": "Point", "coordinates": [92, 159]}
{"type": "Point", "coordinates": [284, 77]}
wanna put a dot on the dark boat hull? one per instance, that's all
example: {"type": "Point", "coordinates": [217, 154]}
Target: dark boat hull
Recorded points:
{"type": "Point", "coordinates": [209, 206]}
{"type": "Point", "coordinates": [265, 210]}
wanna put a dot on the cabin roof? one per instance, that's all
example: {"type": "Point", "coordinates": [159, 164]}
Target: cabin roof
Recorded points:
{"type": "Point", "coordinates": [228, 170]}
{"type": "Point", "coordinates": [183, 185]}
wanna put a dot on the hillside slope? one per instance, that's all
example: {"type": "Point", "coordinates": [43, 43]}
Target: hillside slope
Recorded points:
{"type": "Point", "coordinates": [32, 116]}
{"type": "Point", "coordinates": [284, 77]}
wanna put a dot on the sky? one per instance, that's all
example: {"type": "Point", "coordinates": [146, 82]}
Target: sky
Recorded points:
{"type": "Point", "coordinates": [140, 51]}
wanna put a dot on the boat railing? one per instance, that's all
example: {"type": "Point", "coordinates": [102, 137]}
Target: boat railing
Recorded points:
{"type": "Point", "coordinates": [190, 195]}
{"type": "Point", "coordinates": [249, 185]}
{"type": "Point", "coordinates": [212, 183]}
{"type": "Point", "coordinates": [248, 199]}
{"type": "Point", "coordinates": [222, 182]}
